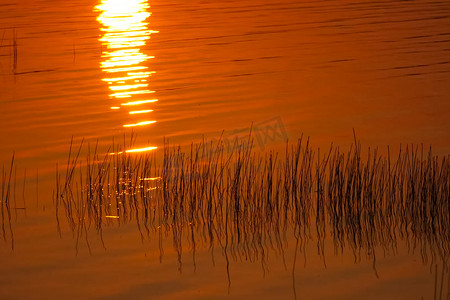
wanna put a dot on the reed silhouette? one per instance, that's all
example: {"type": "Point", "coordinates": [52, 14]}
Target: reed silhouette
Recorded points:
{"type": "Point", "coordinates": [6, 216]}
{"type": "Point", "coordinates": [250, 204]}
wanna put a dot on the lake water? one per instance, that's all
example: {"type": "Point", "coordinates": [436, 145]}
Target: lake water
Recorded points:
{"type": "Point", "coordinates": [182, 72]}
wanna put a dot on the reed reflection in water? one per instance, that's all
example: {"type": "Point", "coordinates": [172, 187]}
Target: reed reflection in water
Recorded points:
{"type": "Point", "coordinates": [249, 205]}
{"type": "Point", "coordinates": [7, 199]}
{"type": "Point", "coordinates": [125, 31]}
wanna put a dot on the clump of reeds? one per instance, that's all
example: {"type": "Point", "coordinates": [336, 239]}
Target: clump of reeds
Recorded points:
{"type": "Point", "coordinates": [247, 202]}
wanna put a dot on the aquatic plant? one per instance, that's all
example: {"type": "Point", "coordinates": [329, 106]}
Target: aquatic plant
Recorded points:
{"type": "Point", "coordinates": [247, 203]}
{"type": "Point", "coordinates": [5, 204]}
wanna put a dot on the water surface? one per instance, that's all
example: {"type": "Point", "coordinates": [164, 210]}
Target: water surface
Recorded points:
{"type": "Point", "coordinates": [186, 71]}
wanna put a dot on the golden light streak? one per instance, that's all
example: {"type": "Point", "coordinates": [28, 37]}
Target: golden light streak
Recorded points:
{"type": "Point", "coordinates": [112, 217]}
{"type": "Point", "coordinates": [132, 76]}
{"type": "Point", "coordinates": [129, 93]}
{"type": "Point", "coordinates": [139, 124]}
{"type": "Point", "coordinates": [142, 73]}
{"type": "Point", "coordinates": [152, 178]}
{"type": "Point", "coordinates": [134, 112]}
{"type": "Point", "coordinates": [124, 33]}
{"type": "Point", "coordinates": [137, 150]}
{"type": "Point", "coordinates": [141, 149]}
{"type": "Point", "coordinates": [128, 87]}
{"type": "Point", "coordinates": [117, 70]}
{"type": "Point", "coordinates": [139, 102]}
{"type": "Point", "coordinates": [113, 153]}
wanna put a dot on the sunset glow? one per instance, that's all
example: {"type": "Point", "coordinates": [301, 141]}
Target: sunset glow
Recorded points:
{"type": "Point", "coordinates": [124, 32]}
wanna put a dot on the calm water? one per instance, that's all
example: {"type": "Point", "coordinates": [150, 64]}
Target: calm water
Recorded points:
{"type": "Point", "coordinates": [186, 70]}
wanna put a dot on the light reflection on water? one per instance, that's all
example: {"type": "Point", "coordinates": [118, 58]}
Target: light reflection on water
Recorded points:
{"type": "Point", "coordinates": [320, 68]}
{"type": "Point", "coordinates": [125, 31]}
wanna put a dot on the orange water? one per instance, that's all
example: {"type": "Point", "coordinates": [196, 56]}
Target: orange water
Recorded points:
{"type": "Point", "coordinates": [195, 69]}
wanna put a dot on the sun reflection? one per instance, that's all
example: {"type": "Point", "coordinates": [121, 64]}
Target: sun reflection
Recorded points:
{"type": "Point", "coordinates": [139, 102]}
{"type": "Point", "coordinates": [124, 34]}
{"type": "Point", "coordinates": [139, 124]}
{"type": "Point", "coordinates": [134, 112]}
{"type": "Point", "coordinates": [141, 149]}
{"type": "Point", "coordinates": [134, 150]}
{"type": "Point", "coordinates": [128, 94]}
